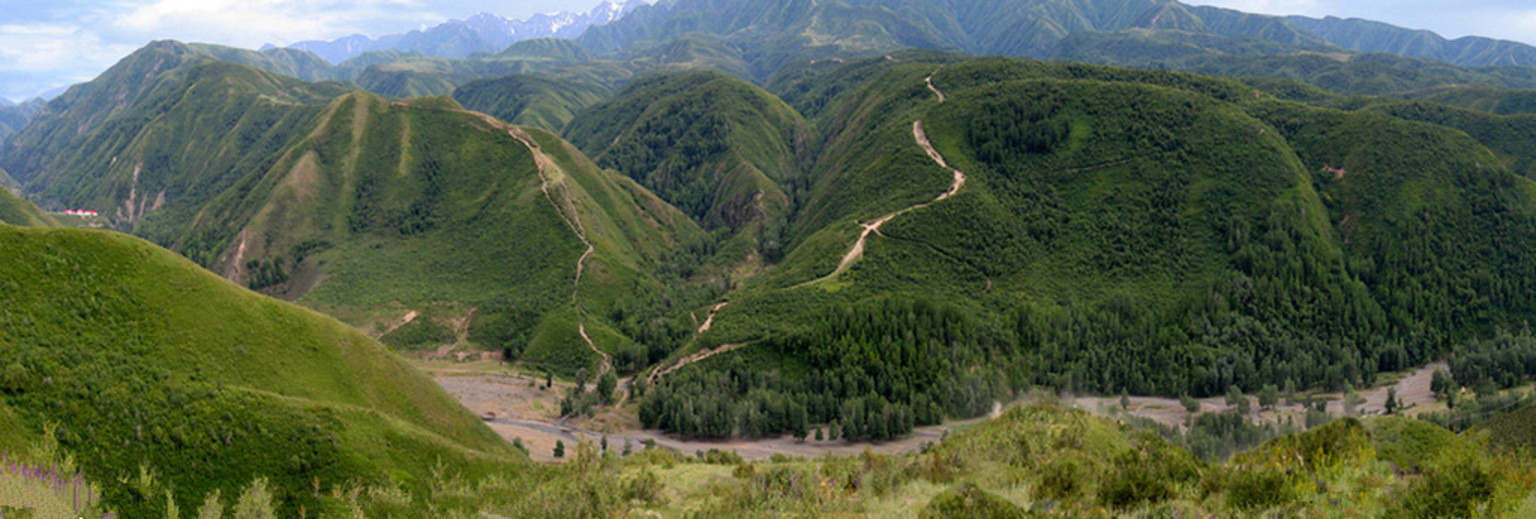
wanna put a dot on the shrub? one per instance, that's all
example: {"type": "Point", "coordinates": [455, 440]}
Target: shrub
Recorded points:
{"type": "Point", "coordinates": [971, 502]}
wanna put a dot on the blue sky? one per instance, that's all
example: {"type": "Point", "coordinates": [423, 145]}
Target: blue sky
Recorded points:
{"type": "Point", "coordinates": [1502, 19]}
{"type": "Point", "coordinates": [53, 43]}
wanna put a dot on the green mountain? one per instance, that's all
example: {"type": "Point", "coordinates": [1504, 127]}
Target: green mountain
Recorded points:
{"type": "Point", "coordinates": [1371, 36]}
{"type": "Point", "coordinates": [370, 209]}
{"type": "Point", "coordinates": [553, 49]}
{"type": "Point", "coordinates": [1151, 231]}
{"type": "Point", "coordinates": [1030, 28]}
{"type": "Point", "coordinates": [1507, 136]}
{"type": "Point", "coordinates": [529, 100]}
{"type": "Point", "coordinates": [724, 152]}
{"type": "Point", "coordinates": [1493, 100]}
{"type": "Point", "coordinates": [158, 375]}
{"type": "Point", "coordinates": [445, 211]}
{"type": "Point", "coordinates": [124, 144]}
{"type": "Point", "coordinates": [17, 211]}
{"type": "Point", "coordinates": [15, 117]}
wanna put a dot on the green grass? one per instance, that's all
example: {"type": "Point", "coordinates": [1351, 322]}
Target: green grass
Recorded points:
{"type": "Point", "coordinates": [142, 359]}
{"type": "Point", "coordinates": [15, 210]}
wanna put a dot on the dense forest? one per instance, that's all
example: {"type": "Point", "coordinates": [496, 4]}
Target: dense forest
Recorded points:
{"type": "Point", "coordinates": [871, 372]}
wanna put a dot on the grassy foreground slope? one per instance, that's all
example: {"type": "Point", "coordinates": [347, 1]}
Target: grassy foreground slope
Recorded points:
{"type": "Point", "coordinates": [143, 364]}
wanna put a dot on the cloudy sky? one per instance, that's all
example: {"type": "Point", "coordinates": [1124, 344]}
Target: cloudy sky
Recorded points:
{"type": "Point", "coordinates": [53, 43]}
{"type": "Point", "coordinates": [48, 44]}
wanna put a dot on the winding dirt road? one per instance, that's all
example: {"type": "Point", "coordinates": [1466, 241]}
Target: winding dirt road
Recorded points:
{"type": "Point", "coordinates": [921, 137]}
{"type": "Point", "coordinates": [550, 173]}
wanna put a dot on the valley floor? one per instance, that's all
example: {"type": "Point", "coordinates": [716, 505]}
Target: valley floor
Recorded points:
{"type": "Point", "coordinates": [517, 407]}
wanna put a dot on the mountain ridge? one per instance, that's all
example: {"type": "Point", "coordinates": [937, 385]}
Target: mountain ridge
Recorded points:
{"type": "Point", "coordinates": [483, 32]}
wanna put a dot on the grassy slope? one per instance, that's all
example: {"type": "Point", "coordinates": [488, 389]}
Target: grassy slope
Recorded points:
{"type": "Point", "coordinates": [422, 204]}
{"type": "Point", "coordinates": [137, 166]}
{"type": "Point", "coordinates": [17, 211]}
{"type": "Point", "coordinates": [140, 357]}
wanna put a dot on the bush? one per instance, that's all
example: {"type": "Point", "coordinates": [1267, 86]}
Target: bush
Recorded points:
{"type": "Point", "coordinates": [971, 502]}
{"type": "Point", "coordinates": [1259, 489]}
{"type": "Point", "coordinates": [1064, 478]}
{"type": "Point", "coordinates": [1148, 474]}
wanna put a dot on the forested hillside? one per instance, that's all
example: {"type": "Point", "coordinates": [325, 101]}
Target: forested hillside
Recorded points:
{"type": "Point", "coordinates": [724, 152]}
{"type": "Point", "coordinates": [1116, 230]}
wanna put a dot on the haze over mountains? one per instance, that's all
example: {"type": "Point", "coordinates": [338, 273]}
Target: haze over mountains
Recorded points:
{"type": "Point", "coordinates": [482, 33]}
{"type": "Point", "coordinates": [745, 219]}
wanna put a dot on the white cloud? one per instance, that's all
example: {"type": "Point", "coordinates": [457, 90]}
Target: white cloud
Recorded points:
{"type": "Point", "coordinates": [46, 45]}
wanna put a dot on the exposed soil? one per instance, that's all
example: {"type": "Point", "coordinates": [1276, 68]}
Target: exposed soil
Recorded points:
{"type": "Point", "coordinates": [514, 409]}
{"type": "Point", "coordinates": [390, 327]}
{"type": "Point", "coordinates": [708, 321]}
{"type": "Point", "coordinates": [1412, 391]}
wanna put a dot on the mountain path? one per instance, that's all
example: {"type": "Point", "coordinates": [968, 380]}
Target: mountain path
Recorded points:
{"type": "Point", "coordinates": [710, 320]}
{"type": "Point", "coordinates": [547, 168]}
{"type": "Point", "coordinates": [936, 91]}
{"type": "Point", "coordinates": [921, 137]}
{"type": "Point", "coordinates": [690, 359]}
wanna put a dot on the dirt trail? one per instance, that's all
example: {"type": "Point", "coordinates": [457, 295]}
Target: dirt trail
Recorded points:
{"type": "Point", "coordinates": [547, 170]}
{"type": "Point", "coordinates": [936, 91]}
{"type": "Point", "coordinates": [709, 321]}
{"type": "Point", "coordinates": [389, 328]}
{"type": "Point", "coordinates": [690, 359]}
{"type": "Point", "coordinates": [921, 137]}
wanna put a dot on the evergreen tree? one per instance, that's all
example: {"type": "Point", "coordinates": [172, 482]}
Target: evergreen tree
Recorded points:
{"type": "Point", "coordinates": [1191, 405]}
{"type": "Point", "coordinates": [1269, 396]}
{"type": "Point", "coordinates": [1392, 404]}
{"type": "Point", "coordinates": [1441, 383]}
{"type": "Point", "coordinates": [559, 449]}
{"type": "Point", "coordinates": [605, 386]}
{"type": "Point", "coordinates": [1237, 400]}
{"type": "Point", "coordinates": [1125, 400]}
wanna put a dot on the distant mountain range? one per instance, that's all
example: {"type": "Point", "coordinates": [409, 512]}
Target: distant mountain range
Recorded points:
{"type": "Point", "coordinates": [1034, 28]}
{"type": "Point", "coordinates": [483, 32]}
